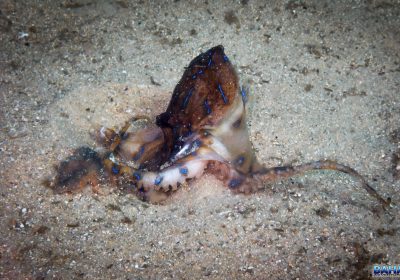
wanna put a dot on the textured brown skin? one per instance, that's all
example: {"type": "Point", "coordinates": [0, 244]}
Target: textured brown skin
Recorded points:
{"type": "Point", "coordinates": [183, 115]}
{"type": "Point", "coordinates": [178, 119]}
{"type": "Point", "coordinates": [203, 98]}
{"type": "Point", "coordinates": [77, 171]}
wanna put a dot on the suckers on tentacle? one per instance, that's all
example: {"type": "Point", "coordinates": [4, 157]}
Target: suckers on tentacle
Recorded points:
{"type": "Point", "coordinates": [204, 126]}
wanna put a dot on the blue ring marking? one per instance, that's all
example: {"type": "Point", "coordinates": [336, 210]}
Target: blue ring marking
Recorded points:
{"type": "Point", "coordinates": [200, 72]}
{"type": "Point", "coordinates": [207, 107]}
{"type": "Point", "coordinates": [187, 133]}
{"type": "Point", "coordinates": [210, 54]}
{"type": "Point", "coordinates": [197, 143]}
{"type": "Point", "coordinates": [186, 99]}
{"type": "Point", "coordinates": [175, 130]}
{"type": "Point", "coordinates": [139, 154]}
{"type": "Point", "coordinates": [222, 94]}
{"type": "Point", "coordinates": [194, 76]}
{"type": "Point", "coordinates": [240, 160]}
{"type": "Point", "coordinates": [244, 94]}
{"type": "Point", "coordinates": [183, 170]}
{"type": "Point", "coordinates": [115, 169]}
{"type": "Point", "coordinates": [225, 58]}
{"type": "Point", "coordinates": [234, 183]}
{"type": "Point", "coordinates": [158, 180]}
{"type": "Point", "coordinates": [137, 176]}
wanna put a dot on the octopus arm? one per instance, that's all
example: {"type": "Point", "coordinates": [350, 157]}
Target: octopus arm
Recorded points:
{"type": "Point", "coordinates": [169, 177]}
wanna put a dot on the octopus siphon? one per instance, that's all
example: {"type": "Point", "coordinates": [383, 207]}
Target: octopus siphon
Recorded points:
{"type": "Point", "coordinates": [203, 128]}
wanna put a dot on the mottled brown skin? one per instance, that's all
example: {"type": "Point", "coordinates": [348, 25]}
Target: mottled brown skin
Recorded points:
{"type": "Point", "coordinates": [77, 171]}
{"type": "Point", "coordinates": [203, 75]}
{"type": "Point", "coordinates": [203, 126]}
{"type": "Point", "coordinates": [197, 100]}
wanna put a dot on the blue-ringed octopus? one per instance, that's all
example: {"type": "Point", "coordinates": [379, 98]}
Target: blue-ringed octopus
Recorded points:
{"type": "Point", "coordinates": [203, 128]}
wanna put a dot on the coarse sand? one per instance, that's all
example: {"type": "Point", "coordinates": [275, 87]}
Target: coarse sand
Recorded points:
{"type": "Point", "coordinates": [324, 79]}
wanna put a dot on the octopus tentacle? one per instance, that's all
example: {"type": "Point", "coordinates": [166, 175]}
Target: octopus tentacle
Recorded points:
{"type": "Point", "coordinates": [169, 177]}
{"type": "Point", "coordinates": [204, 126]}
{"type": "Point", "coordinates": [111, 139]}
{"type": "Point", "coordinates": [281, 172]}
{"type": "Point", "coordinates": [82, 168]}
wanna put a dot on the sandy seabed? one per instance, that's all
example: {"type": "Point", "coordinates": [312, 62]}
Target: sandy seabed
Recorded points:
{"type": "Point", "coordinates": [324, 79]}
